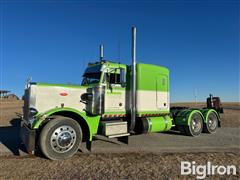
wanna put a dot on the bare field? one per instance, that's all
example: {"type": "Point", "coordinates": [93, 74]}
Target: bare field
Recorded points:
{"type": "Point", "coordinates": [9, 110]}
{"type": "Point", "coordinates": [230, 118]}
{"type": "Point", "coordinates": [112, 166]}
{"type": "Point", "coordinates": [138, 165]}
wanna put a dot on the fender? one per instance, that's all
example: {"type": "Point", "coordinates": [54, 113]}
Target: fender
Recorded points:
{"type": "Point", "coordinates": [92, 121]}
{"type": "Point", "coordinates": [194, 111]}
{"type": "Point", "coordinates": [184, 116]}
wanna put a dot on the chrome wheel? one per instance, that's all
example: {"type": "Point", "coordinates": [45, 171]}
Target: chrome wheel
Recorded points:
{"type": "Point", "coordinates": [196, 124]}
{"type": "Point", "coordinates": [63, 139]}
{"type": "Point", "coordinates": [60, 138]}
{"type": "Point", "coordinates": [212, 121]}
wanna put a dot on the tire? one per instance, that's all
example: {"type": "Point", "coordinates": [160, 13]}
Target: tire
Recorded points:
{"type": "Point", "coordinates": [60, 138]}
{"type": "Point", "coordinates": [196, 125]}
{"type": "Point", "coordinates": [212, 123]}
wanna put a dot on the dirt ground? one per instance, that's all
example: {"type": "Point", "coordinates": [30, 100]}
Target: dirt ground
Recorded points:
{"type": "Point", "coordinates": [114, 165]}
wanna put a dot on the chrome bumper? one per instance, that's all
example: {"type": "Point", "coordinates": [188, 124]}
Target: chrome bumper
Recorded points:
{"type": "Point", "coordinates": [28, 137]}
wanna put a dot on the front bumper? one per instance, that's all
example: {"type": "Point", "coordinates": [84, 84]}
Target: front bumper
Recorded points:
{"type": "Point", "coordinates": [28, 137]}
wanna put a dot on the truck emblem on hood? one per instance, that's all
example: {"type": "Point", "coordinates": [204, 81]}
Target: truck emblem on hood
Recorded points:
{"type": "Point", "coordinates": [63, 93]}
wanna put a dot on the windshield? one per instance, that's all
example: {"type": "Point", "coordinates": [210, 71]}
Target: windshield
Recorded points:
{"type": "Point", "coordinates": [91, 78]}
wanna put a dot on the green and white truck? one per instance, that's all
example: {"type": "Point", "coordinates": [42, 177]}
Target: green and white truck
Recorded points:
{"type": "Point", "coordinates": [114, 100]}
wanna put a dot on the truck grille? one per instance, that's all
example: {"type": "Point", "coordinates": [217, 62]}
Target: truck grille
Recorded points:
{"type": "Point", "coordinates": [26, 103]}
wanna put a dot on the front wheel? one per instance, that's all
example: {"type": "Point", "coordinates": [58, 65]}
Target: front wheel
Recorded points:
{"type": "Point", "coordinates": [60, 138]}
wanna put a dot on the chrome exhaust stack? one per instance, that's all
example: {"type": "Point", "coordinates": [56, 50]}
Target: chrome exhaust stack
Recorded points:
{"type": "Point", "coordinates": [133, 81]}
{"type": "Point", "coordinates": [101, 52]}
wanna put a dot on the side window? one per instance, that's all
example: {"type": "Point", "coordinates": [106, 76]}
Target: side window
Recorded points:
{"type": "Point", "coordinates": [112, 78]}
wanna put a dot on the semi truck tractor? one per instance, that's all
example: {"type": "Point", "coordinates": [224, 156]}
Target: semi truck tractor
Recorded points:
{"type": "Point", "coordinates": [114, 100]}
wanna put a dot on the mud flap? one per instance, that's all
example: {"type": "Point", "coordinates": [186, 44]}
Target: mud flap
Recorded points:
{"type": "Point", "coordinates": [27, 136]}
{"type": "Point", "coordinates": [89, 145]}
{"type": "Point", "coordinates": [123, 139]}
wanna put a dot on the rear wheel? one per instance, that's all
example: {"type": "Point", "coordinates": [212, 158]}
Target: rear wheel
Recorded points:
{"type": "Point", "coordinates": [60, 138]}
{"type": "Point", "coordinates": [196, 125]}
{"type": "Point", "coordinates": [212, 123]}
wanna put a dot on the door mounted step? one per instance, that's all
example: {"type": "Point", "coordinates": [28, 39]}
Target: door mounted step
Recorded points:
{"type": "Point", "coordinates": [119, 135]}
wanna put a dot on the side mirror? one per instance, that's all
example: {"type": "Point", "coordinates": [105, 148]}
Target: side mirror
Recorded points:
{"type": "Point", "coordinates": [87, 97]}
{"type": "Point", "coordinates": [122, 76]}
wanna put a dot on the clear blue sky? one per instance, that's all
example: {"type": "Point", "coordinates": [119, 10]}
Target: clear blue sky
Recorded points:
{"type": "Point", "coordinates": [52, 41]}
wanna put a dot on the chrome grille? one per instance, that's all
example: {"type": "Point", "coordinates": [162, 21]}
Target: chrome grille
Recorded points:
{"type": "Point", "coordinates": [26, 103]}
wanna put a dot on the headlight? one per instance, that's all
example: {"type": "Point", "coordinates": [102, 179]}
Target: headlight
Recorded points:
{"type": "Point", "coordinates": [32, 112]}
{"type": "Point", "coordinates": [87, 97]}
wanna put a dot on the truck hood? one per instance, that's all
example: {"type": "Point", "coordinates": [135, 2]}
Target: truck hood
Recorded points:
{"type": "Point", "coordinates": [44, 97]}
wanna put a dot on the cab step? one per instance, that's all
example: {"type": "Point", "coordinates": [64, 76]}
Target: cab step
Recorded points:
{"type": "Point", "coordinates": [119, 135]}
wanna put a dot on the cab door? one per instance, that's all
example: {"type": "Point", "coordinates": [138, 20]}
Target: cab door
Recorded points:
{"type": "Point", "coordinates": [115, 94]}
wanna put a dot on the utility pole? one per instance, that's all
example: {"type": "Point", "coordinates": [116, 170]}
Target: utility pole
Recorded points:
{"type": "Point", "coordinates": [195, 95]}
